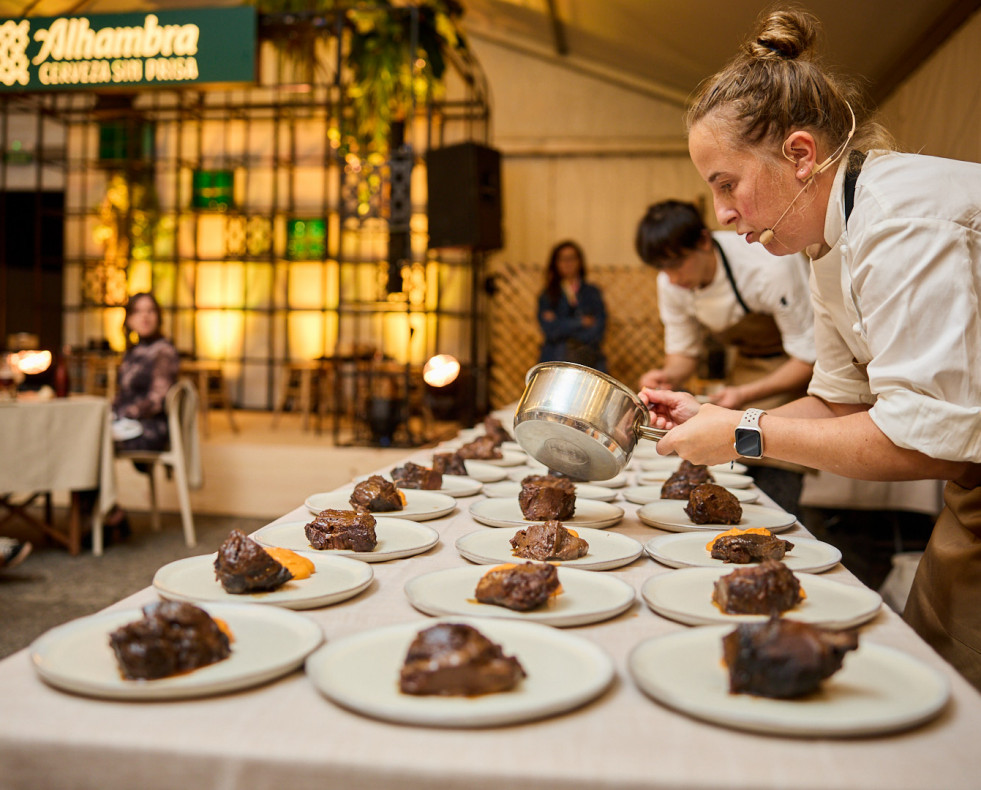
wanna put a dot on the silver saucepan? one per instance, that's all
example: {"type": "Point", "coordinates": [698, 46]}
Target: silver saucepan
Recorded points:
{"type": "Point", "coordinates": [579, 421]}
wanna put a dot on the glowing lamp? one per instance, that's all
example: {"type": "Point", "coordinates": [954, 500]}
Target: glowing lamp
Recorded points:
{"type": "Point", "coordinates": [441, 370]}
{"type": "Point", "coordinates": [30, 363]}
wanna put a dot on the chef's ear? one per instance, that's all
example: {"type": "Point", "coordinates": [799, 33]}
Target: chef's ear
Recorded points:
{"type": "Point", "coordinates": [800, 148]}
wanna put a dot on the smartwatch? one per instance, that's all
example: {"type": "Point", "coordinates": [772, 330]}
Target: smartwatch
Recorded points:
{"type": "Point", "coordinates": [749, 436]}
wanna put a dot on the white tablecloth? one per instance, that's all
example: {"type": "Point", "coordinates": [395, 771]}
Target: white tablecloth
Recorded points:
{"type": "Point", "coordinates": [61, 444]}
{"type": "Point", "coordinates": [287, 735]}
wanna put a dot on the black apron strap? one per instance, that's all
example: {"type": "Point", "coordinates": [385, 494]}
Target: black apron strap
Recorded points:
{"type": "Point", "coordinates": [732, 280]}
{"type": "Point", "coordinates": [855, 161]}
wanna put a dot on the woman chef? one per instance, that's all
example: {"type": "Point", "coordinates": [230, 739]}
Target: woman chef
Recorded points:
{"type": "Point", "coordinates": [895, 248]}
{"type": "Point", "coordinates": [757, 305]}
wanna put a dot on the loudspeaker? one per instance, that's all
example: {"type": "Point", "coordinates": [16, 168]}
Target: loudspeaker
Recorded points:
{"type": "Point", "coordinates": [464, 187]}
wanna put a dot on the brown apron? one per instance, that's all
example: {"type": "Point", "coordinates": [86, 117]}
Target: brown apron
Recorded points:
{"type": "Point", "coordinates": [944, 605]}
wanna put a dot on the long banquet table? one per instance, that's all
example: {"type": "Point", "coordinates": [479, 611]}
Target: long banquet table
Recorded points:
{"type": "Point", "coordinates": [286, 734]}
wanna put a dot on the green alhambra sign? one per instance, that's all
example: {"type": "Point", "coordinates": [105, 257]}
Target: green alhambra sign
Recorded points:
{"type": "Point", "coordinates": [162, 49]}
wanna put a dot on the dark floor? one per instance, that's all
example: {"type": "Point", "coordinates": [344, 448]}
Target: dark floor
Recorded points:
{"type": "Point", "coordinates": [51, 587]}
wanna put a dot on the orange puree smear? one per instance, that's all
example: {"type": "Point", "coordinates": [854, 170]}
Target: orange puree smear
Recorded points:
{"type": "Point", "coordinates": [736, 531]}
{"type": "Point", "coordinates": [223, 627]}
{"type": "Point", "coordinates": [299, 566]}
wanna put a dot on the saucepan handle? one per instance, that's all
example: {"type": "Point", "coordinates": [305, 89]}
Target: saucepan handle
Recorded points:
{"type": "Point", "coordinates": [654, 434]}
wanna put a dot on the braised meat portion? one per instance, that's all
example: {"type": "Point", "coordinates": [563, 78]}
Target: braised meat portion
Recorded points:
{"type": "Point", "coordinates": [767, 588]}
{"type": "Point", "coordinates": [411, 475]}
{"type": "Point", "coordinates": [494, 428]}
{"type": "Point", "coordinates": [548, 541]}
{"type": "Point", "coordinates": [518, 587]}
{"type": "Point", "coordinates": [680, 484]}
{"type": "Point", "coordinates": [547, 498]}
{"type": "Point", "coordinates": [243, 566]}
{"type": "Point", "coordinates": [172, 637]}
{"type": "Point", "coordinates": [483, 448]}
{"type": "Point", "coordinates": [783, 658]}
{"type": "Point", "coordinates": [449, 464]}
{"type": "Point", "coordinates": [452, 659]}
{"type": "Point", "coordinates": [377, 495]}
{"type": "Point", "coordinates": [353, 530]}
{"type": "Point", "coordinates": [712, 504]}
{"type": "Point", "coordinates": [749, 547]}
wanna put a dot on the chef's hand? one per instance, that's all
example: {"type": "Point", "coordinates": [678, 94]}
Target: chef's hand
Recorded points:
{"type": "Point", "coordinates": [705, 438]}
{"type": "Point", "coordinates": [656, 379]}
{"type": "Point", "coordinates": [669, 408]}
{"type": "Point", "coordinates": [728, 398]}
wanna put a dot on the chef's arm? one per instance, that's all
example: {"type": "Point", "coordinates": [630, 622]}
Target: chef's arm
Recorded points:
{"type": "Point", "coordinates": [846, 442]}
{"type": "Point", "coordinates": [792, 376]}
{"type": "Point", "coordinates": [677, 369]}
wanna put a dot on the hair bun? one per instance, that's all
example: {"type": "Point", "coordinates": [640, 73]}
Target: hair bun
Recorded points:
{"type": "Point", "coordinates": [786, 34]}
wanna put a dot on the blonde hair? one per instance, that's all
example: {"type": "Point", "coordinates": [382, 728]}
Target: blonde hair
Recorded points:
{"type": "Point", "coordinates": [777, 84]}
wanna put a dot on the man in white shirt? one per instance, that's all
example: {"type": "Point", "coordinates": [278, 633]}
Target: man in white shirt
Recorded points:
{"type": "Point", "coordinates": [757, 306]}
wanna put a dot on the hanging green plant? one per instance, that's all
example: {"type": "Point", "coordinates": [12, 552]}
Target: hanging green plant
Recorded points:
{"type": "Point", "coordinates": [393, 58]}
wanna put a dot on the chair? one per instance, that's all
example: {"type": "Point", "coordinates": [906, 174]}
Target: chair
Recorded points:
{"type": "Point", "coordinates": [181, 406]}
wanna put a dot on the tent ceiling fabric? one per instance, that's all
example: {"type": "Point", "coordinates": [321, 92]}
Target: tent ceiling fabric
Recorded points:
{"type": "Point", "coordinates": [669, 46]}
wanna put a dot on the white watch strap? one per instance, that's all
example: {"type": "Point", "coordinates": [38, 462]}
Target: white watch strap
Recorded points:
{"type": "Point", "coordinates": [751, 418]}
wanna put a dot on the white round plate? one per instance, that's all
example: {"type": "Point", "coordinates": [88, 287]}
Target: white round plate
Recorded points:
{"type": "Point", "coordinates": [687, 550]}
{"type": "Point", "coordinates": [125, 429]}
{"type": "Point", "coordinates": [361, 672]}
{"type": "Point", "coordinates": [535, 468]}
{"type": "Point", "coordinates": [507, 513]}
{"type": "Point", "coordinates": [669, 514]}
{"type": "Point", "coordinates": [460, 486]}
{"type": "Point", "coordinates": [670, 464]}
{"type": "Point", "coordinates": [877, 689]}
{"type": "Point", "coordinates": [686, 596]}
{"type": "Point", "coordinates": [505, 417]}
{"type": "Point", "coordinates": [509, 458]}
{"type": "Point", "coordinates": [193, 579]}
{"type": "Point", "coordinates": [453, 485]}
{"type": "Point", "coordinates": [484, 472]}
{"type": "Point", "coordinates": [586, 597]}
{"type": "Point", "coordinates": [397, 538]}
{"type": "Point", "coordinates": [724, 479]}
{"type": "Point", "coordinates": [606, 549]}
{"type": "Point", "coordinates": [419, 505]}
{"type": "Point", "coordinates": [511, 488]}
{"type": "Point", "coordinates": [269, 642]}
{"type": "Point", "coordinates": [513, 447]}
{"type": "Point", "coordinates": [641, 495]}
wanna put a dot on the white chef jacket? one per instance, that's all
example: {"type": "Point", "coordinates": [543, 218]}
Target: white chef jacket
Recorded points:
{"type": "Point", "coordinates": [771, 285]}
{"type": "Point", "coordinates": [896, 302]}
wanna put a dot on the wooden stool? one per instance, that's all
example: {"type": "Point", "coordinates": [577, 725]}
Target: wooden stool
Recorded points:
{"type": "Point", "coordinates": [299, 389]}
{"type": "Point", "coordinates": [209, 379]}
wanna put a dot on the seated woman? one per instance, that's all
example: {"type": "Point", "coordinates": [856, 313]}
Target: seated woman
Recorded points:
{"type": "Point", "coordinates": [148, 370]}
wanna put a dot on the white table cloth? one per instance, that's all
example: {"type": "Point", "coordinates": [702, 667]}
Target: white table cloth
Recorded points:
{"type": "Point", "coordinates": [287, 735]}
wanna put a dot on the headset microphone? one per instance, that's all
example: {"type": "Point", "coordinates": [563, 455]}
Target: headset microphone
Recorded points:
{"type": "Point", "coordinates": [768, 233]}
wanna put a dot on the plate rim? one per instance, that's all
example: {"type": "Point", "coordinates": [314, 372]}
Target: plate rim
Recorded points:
{"type": "Point", "coordinates": [597, 566]}
{"type": "Point", "coordinates": [602, 664]}
{"type": "Point", "coordinates": [497, 523]}
{"type": "Point", "coordinates": [679, 537]}
{"type": "Point", "coordinates": [696, 619]}
{"type": "Point", "coordinates": [315, 602]}
{"type": "Point", "coordinates": [571, 620]}
{"type": "Point", "coordinates": [362, 556]}
{"type": "Point", "coordinates": [742, 491]}
{"type": "Point", "coordinates": [649, 521]}
{"type": "Point", "coordinates": [447, 507]}
{"type": "Point", "coordinates": [609, 494]}
{"type": "Point", "coordinates": [306, 628]}
{"type": "Point", "coordinates": [761, 723]}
